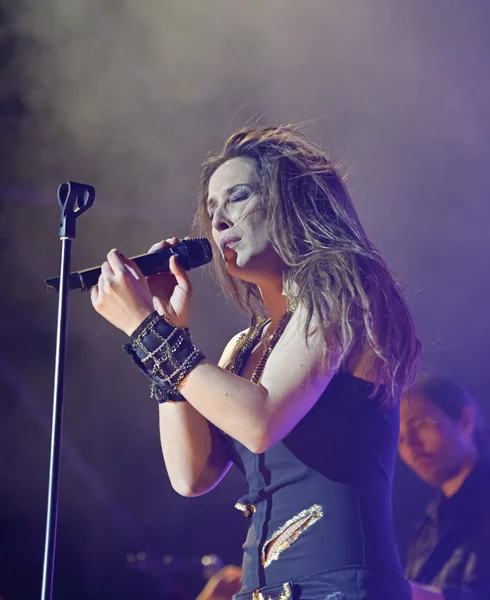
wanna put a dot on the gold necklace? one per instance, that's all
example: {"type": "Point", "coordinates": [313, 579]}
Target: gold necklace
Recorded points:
{"type": "Point", "coordinates": [274, 339]}
{"type": "Point", "coordinates": [244, 346]}
{"type": "Point", "coordinates": [244, 350]}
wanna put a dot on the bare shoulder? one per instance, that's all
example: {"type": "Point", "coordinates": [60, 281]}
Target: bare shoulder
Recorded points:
{"type": "Point", "coordinates": [314, 350]}
{"type": "Point", "coordinates": [230, 347]}
{"type": "Point", "coordinates": [295, 375]}
{"type": "Point", "coordinates": [306, 340]}
{"type": "Point", "coordinates": [302, 354]}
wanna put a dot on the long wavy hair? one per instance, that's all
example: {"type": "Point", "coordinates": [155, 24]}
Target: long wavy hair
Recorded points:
{"type": "Point", "coordinates": [333, 268]}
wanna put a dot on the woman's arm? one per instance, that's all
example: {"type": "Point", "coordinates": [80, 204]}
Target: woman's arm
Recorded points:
{"type": "Point", "coordinates": [193, 450]}
{"type": "Point", "coordinates": [259, 416]}
{"type": "Point", "coordinates": [192, 447]}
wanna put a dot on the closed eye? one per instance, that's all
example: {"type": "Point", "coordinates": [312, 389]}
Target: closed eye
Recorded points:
{"type": "Point", "coordinates": [240, 195]}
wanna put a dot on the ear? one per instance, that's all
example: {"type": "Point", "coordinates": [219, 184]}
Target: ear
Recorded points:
{"type": "Point", "coordinates": [467, 420]}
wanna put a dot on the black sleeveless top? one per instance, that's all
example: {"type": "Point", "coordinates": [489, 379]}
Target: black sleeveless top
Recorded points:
{"type": "Point", "coordinates": [333, 472]}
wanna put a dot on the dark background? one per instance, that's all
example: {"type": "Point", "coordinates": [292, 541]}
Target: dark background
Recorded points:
{"type": "Point", "coordinates": [129, 97]}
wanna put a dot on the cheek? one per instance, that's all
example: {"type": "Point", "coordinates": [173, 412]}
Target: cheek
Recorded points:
{"type": "Point", "coordinates": [404, 453]}
{"type": "Point", "coordinates": [257, 230]}
{"type": "Point", "coordinates": [432, 440]}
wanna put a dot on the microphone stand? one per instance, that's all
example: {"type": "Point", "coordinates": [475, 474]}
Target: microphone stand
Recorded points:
{"type": "Point", "coordinates": [74, 199]}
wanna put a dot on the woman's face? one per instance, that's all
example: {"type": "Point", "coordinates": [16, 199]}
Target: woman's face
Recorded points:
{"type": "Point", "coordinates": [238, 217]}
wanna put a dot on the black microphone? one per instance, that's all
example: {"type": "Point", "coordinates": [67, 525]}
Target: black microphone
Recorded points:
{"type": "Point", "coordinates": [191, 253]}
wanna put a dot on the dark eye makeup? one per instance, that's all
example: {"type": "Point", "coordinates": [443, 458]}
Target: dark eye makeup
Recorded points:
{"type": "Point", "coordinates": [238, 194]}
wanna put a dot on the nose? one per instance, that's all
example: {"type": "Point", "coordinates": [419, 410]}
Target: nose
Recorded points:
{"type": "Point", "coordinates": [413, 441]}
{"type": "Point", "coordinates": [221, 221]}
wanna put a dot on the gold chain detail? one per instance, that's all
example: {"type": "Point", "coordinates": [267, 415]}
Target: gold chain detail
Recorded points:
{"type": "Point", "coordinates": [248, 341]}
{"type": "Point", "coordinates": [274, 339]}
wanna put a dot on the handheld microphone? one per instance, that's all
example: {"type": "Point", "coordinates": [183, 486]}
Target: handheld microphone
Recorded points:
{"type": "Point", "coordinates": [191, 253]}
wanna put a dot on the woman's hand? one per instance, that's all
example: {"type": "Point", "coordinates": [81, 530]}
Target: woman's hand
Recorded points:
{"type": "Point", "coordinates": [171, 292]}
{"type": "Point", "coordinates": [122, 295]}
{"type": "Point", "coordinates": [125, 297]}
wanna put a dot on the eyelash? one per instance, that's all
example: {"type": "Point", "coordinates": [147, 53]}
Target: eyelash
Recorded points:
{"type": "Point", "coordinates": [237, 197]}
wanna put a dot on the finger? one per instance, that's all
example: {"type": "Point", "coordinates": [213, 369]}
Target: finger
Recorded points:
{"type": "Point", "coordinates": [179, 273]}
{"type": "Point", "coordinates": [116, 261]}
{"type": "Point", "coordinates": [158, 246]}
{"type": "Point", "coordinates": [101, 283]}
{"type": "Point", "coordinates": [163, 244]}
{"type": "Point", "coordinates": [106, 273]}
{"type": "Point", "coordinates": [94, 295]}
{"type": "Point", "coordinates": [132, 267]}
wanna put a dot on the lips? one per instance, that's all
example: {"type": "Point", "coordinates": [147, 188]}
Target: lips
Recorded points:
{"type": "Point", "coordinates": [228, 241]}
{"type": "Point", "coordinates": [422, 458]}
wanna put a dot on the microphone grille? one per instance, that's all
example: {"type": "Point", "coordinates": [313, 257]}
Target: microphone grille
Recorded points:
{"type": "Point", "coordinates": [194, 252]}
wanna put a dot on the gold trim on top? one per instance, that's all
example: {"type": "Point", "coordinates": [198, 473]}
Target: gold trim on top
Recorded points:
{"type": "Point", "coordinates": [286, 594]}
{"type": "Point", "coordinates": [310, 515]}
{"type": "Point", "coordinates": [247, 509]}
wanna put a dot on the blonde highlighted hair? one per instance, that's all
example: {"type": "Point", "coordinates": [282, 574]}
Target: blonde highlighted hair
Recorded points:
{"type": "Point", "coordinates": [336, 272]}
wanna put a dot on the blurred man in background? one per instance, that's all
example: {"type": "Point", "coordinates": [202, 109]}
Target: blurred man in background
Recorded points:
{"type": "Point", "coordinates": [444, 440]}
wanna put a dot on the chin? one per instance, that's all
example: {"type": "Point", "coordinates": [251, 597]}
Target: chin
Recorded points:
{"type": "Point", "coordinates": [239, 266]}
{"type": "Point", "coordinates": [430, 477]}
{"type": "Point", "coordinates": [231, 263]}
{"type": "Point", "coordinates": [253, 268]}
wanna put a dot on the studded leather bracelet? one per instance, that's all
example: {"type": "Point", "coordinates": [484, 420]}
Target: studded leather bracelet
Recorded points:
{"type": "Point", "coordinates": [165, 353]}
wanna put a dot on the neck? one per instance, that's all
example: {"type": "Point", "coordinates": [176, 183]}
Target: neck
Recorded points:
{"type": "Point", "coordinates": [451, 486]}
{"type": "Point", "coordinates": [275, 301]}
